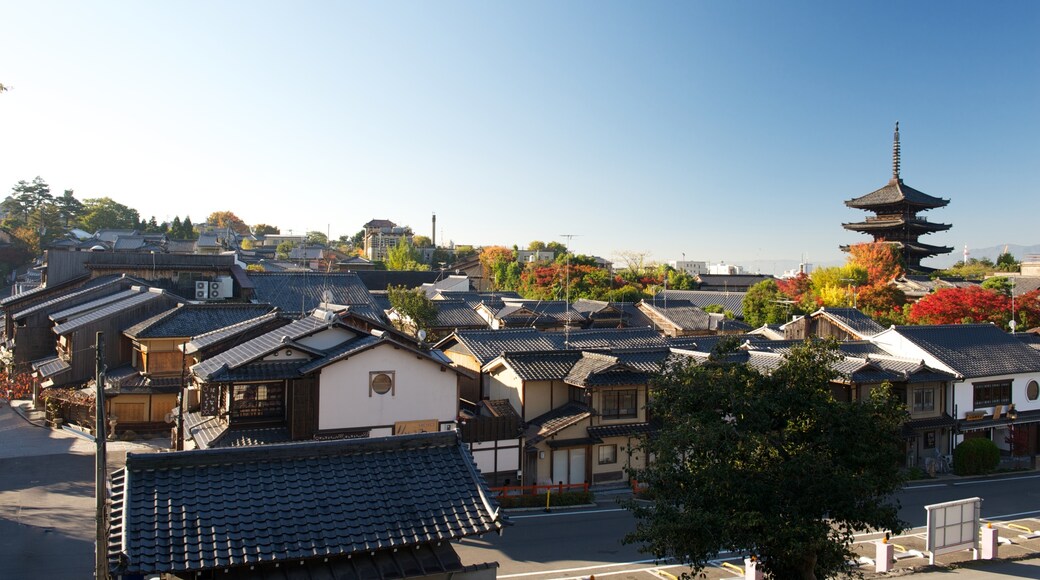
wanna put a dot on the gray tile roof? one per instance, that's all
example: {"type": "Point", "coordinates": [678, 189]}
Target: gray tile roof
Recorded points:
{"type": "Point", "coordinates": [542, 365]}
{"type": "Point", "coordinates": [601, 370]}
{"type": "Point", "coordinates": [1029, 338]}
{"type": "Point", "coordinates": [298, 293]}
{"type": "Point", "coordinates": [974, 350]}
{"type": "Point", "coordinates": [608, 338]}
{"type": "Point", "coordinates": [457, 314]}
{"type": "Point", "coordinates": [188, 320]}
{"type": "Point", "coordinates": [204, 340]}
{"type": "Point", "coordinates": [109, 310]}
{"type": "Point", "coordinates": [621, 430]}
{"type": "Point", "coordinates": [485, 345]}
{"type": "Point", "coordinates": [92, 287]}
{"type": "Point", "coordinates": [853, 320]}
{"type": "Point", "coordinates": [680, 313]}
{"type": "Point", "coordinates": [732, 301]}
{"type": "Point", "coordinates": [260, 346]}
{"type": "Point", "coordinates": [548, 424]}
{"type": "Point", "coordinates": [51, 366]}
{"type": "Point", "coordinates": [730, 283]}
{"type": "Point", "coordinates": [98, 302]}
{"type": "Point", "coordinates": [222, 508]}
{"type": "Point", "coordinates": [258, 371]}
{"type": "Point", "coordinates": [896, 192]}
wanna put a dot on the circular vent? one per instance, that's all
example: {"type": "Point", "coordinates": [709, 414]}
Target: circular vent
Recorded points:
{"type": "Point", "coordinates": [381, 383]}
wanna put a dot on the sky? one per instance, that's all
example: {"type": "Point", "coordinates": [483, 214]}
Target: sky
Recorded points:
{"type": "Point", "coordinates": [715, 131]}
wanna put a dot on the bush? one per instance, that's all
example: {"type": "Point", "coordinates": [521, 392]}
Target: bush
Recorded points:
{"type": "Point", "coordinates": [975, 456]}
{"type": "Point", "coordinates": [556, 499]}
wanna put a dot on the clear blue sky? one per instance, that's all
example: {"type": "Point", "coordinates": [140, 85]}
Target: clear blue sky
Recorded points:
{"type": "Point", "coordinates": [720, 130]}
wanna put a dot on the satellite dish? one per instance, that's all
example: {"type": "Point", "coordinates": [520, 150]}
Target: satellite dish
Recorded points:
{"type": "Point", "coordinates": [168, 418]}
{"type": "Point", "coordinates": [422, 335]}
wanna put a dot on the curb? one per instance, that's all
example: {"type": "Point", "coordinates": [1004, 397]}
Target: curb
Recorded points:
{"type": "Point", "coordinates": [21, 413]}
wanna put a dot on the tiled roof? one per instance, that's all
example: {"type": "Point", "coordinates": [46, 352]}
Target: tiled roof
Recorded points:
{"type": "Point", "coordinates": [500, 408]}
{"type": "Point", "coordinates": [222, 508]}
{"type": "Point", "coordinates": [896, 192]}
{"type": "Point", "coordinates": [260, 346]}
{"type": "Point", "coordinates": [258, 371]}
{"type": "Point", "coordinates": [195, 319]}
{"type": "Point", "coordinates": [98, 302]}
{"type": "Point", "coordinates": [92, 287]}
{"type": "Point", "coordinates": [297, 293]}
{"type": "Point", "coordinates": [974, 350]}
{"type": "Point", "coordinates": [853, 319]}
{"type": "Point", "coordinates": [542, 365]}
{"type": "Point", "coordinates": [109, 310]}
{"type": "Point", "coordinates": [457, 314]}
{"type": "Point", "coordinates": [548, 424]}
{"type": "Point", "coordinates": [485, 345]}
{"type": "Point", "coordinates": [126, 380]}
{"type": "Point", "coordinates": [1029, 338]}
{"type": "Point", "coordinates": [383, 279]}
{"type": "Point", "coordinates": [680, 313]}
{"type": "Point", "coordinates": [201, 341]}
{"type": "Point", "coordinates": [910, 427]}
{"type": "Point", "coordinates": [730, 282]}
{"type": "Point", "coordinates": [601, 370]}
{"type": "Point", "coordinates": [732, 301]}
{"type": "Point", "coordinates": [608, 338]}
{"type": "Point", "coordinates": [347, 349]}
{"type": "Point", "coordinates": [622, 430]}
{"type": "Point", "coordinates": [48, 367]}
{"type": "Point", "coordinates": [472, 299]}
{"type": "Point", "coordinates": [557, 310]}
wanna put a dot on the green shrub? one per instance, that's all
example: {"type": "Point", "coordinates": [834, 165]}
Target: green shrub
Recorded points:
{"type": "Point", "coordinates": [975, 456]}
{"type": "Point", "coordinates": [916, 473]}
{"type": "Point", "coordinates": [557, 499]}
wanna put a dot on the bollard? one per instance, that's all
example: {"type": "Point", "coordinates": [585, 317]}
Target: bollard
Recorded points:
{"type": "Point", "coordinates": [990, 542]}
{"type": "Point", "coordinates": [883, 558]}
{"type": "Point", "coordinates": [751, 571]}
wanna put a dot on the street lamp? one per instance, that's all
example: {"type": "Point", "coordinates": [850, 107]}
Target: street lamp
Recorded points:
{"type": "Point", "coordinates": [1012, 414]}
{"type": "Point", "coordinates": [852, 289]}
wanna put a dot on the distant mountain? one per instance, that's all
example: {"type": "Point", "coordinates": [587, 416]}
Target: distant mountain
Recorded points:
{"type": "Point", "coordinates": [1018, 251]}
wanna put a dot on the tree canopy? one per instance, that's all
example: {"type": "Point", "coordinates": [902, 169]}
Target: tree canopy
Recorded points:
{"type": "Point", "coordinates": [973, 304]}
{"type": "Point", "coordinates": [404, 256]}
{"type": "Point", "coordinates": [104, 213]}
{"type": "Point", "coordinates": [228, 219]}
{"type": "Point", "coordinates": [418, 311]}
{"type": "Point", "coordinates": [771, 465]}
{"type": "Point", "coordinates": [265, 230]}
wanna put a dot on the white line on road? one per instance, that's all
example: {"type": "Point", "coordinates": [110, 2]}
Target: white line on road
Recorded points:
{"type": "Point", "coordinates": [523, 574]}
{"type": "Point", "coordinates": [996, 480]}
{"type": "Point", "coordinates": [575, 513]}
{"type": "Point", "coordinates": [926, 486]}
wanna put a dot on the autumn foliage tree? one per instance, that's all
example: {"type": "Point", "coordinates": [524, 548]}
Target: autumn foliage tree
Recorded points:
{"type": "Point", "coordinates": [881, 261]}
{"type": "Point", "coordinates": [961, 306]}
{"type": "Point", "coordinates": [227, 219]}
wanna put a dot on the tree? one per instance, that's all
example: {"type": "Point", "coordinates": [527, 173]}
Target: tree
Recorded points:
{"type": "Point", "coordinates": [404, 256]}
{"type": "Point", "coordinates": [961, 306]}
{"type": "Point", "coordinates": [767, 464]}
{"type": "Point", "coordinates": [227, 219]}
{"type": "Point", "coordinates": [494, 261]}
{"type": "Point", "coordinates": [1027, 309]}
{"type": "Point", "coordinates": [1007, 263]}
{"type": "Point", "coordinates": [316, 238]}
{"type": "Point", "coordinates": [418, 311]}
{"type": "Point", "coordinates": [283, 249]}
{"type": "Point", "coordinates": [999, 284]}
{"type": "Point", "coordinates": [422, 242]}
{"type": "Point", "coordinates": [881, 261]}
{"type": "Point", "coordinates": [103, 213]}
{"type": "Point", "coordinates": [265, 230]}
{"type": "Point", "coordinates": [765, 304]}
{"type": "Point", "coordinates": [69, 208]}
{"type": "Point", "coordinates": [974, 269]}
{"type": "Point", "coordinates": [536, 246]}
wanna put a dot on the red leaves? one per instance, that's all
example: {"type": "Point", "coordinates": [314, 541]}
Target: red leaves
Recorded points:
{"type": "Point", "coordinates": [960, 306]}
{"type": "Point", "coordinates": [20, 385]}
{"type": "Point", "coordinates": [881, 261]}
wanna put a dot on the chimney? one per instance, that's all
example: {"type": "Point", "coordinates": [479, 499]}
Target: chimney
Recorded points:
{"type": "Point", "coordinates": [434, 237]}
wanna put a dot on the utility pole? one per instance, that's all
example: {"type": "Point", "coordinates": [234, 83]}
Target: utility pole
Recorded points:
{"type": "Point", "coordinates": [100, 461]}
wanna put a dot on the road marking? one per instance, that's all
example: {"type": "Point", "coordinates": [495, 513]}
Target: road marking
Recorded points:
{"type": "Point", "coordinates": [996, 480]}
{"type": "Point", "coordinates": [1005, 516]}
{"type": "Point", "coordinates": [600, 566]}
{"type": "Point", "coordinates": [926, 486]}
{"type": "Point", "coordinates": [574, 513]}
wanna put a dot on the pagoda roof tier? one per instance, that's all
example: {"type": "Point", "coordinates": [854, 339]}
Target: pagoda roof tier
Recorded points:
{"type": "Point", "coordinates": [896, 194]}
{"type": "Point", "coordinates": [880, 225]}
{"type": "Point", "coordinates": [914, 248]}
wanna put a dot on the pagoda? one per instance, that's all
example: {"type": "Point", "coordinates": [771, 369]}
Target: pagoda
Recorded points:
{"type": "Point", "coordinates": [896, 206]}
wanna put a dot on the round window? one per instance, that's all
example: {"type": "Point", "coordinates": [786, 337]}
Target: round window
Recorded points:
{"type": "Point", "coordinates": [1032, 391]}
{"type": "Point", "coordinates": [381, 383]}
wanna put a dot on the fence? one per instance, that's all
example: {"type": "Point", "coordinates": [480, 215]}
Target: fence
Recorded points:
{"type": "Point", "coordinates": [538, 489]}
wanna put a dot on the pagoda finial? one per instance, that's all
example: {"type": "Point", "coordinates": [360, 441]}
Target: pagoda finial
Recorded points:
{"type": "Point", "coordinates": [895, 154]}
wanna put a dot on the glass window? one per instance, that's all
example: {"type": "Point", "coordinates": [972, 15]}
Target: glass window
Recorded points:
{"type": "Point", "coordinates": [607, 454]}
{"type": "Point", "coordinates": [992, 393]}
{"type": "Point", "coordinates": [924, 400]}
{"type": "Point", "coordinates": [258, 402]}
{"type": "Point", "coordinates": [381, 382]}
{"type": "Point", "coordinates": [1032, 390]}
{"type": "Point", "coordinates": [619, 404]}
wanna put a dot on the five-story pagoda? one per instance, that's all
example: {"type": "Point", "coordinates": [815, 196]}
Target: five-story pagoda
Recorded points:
{"type": "Point", "coordinates": [896, 206]}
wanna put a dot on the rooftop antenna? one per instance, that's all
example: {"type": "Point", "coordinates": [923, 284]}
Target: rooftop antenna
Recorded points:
{"type": "Point", "coordinates": [895, 155]}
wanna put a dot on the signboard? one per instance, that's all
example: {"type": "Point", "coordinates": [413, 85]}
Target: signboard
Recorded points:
{"type": "Point", "coordinates": [209, 404]}
{"type": "Point", "coordinates": [953, 525]}
{"type": "Point", "coordinates": [409, 427]}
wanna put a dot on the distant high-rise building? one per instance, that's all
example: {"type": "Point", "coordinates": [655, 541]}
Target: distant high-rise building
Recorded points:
{"type": "Point", "coordinates": [896, 206]}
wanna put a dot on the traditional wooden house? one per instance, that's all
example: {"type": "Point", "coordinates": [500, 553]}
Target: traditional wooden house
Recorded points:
{"type": "Point", "coordinates": [681, 318]}
{"type": "Point", "coordinates": [323, 376]}
{"type": "Point", "coordinates": [375, 508]}
{"type": "Point", "coordinates": [836, 323]}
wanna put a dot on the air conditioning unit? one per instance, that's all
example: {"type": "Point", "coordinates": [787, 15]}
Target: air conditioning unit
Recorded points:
{"type": "Point", "coordinates": [214, 290]}
{"type": "Point", "coordinates": [201, 290]}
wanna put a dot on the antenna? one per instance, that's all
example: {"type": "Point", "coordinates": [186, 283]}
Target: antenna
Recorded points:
{"type": "Point", "coordinates": [895, 154]}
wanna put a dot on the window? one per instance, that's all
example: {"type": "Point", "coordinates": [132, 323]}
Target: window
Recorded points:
{"type": "Point", "coordinates": [607, 454]}
{"type": "Point", "coordinates": [929, 440]}
{"type": "Point", "coordinates": [381, 383]}
{"type": "Point", "coordinates": [619, 404]}
{"type": "Point", "coordinates": [924, 400]}
{"type": "Point", "coordinates": [258, 402]}
{"type": "Point", "coordinates": [992, 393]}
{"type": "Point", "coordinates": [1032, 390]}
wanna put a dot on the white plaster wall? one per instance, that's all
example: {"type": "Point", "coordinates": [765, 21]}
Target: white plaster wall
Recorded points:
{"type": "Point", "coordinates": [422, 391]}
{"type": "Point", "coordinates": [964, 393]}
{"type": "Point", "coordinates": [505, 384]}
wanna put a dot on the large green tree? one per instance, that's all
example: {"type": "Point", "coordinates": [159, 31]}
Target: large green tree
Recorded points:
{"type": "Point", "coordinates": [764, 303]}
{"type": "Point", "coordinates": [101, 213]}
{"type": "Point", "coordinates": [767, 464]}
{"type": "Point", "coordinates": [404, 256]}
{"type": "Point", "coordinates": [417, 311]}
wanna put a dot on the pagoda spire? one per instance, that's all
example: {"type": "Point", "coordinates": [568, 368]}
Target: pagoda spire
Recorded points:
{"type": "Point", "coordinates": [895, 155]}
